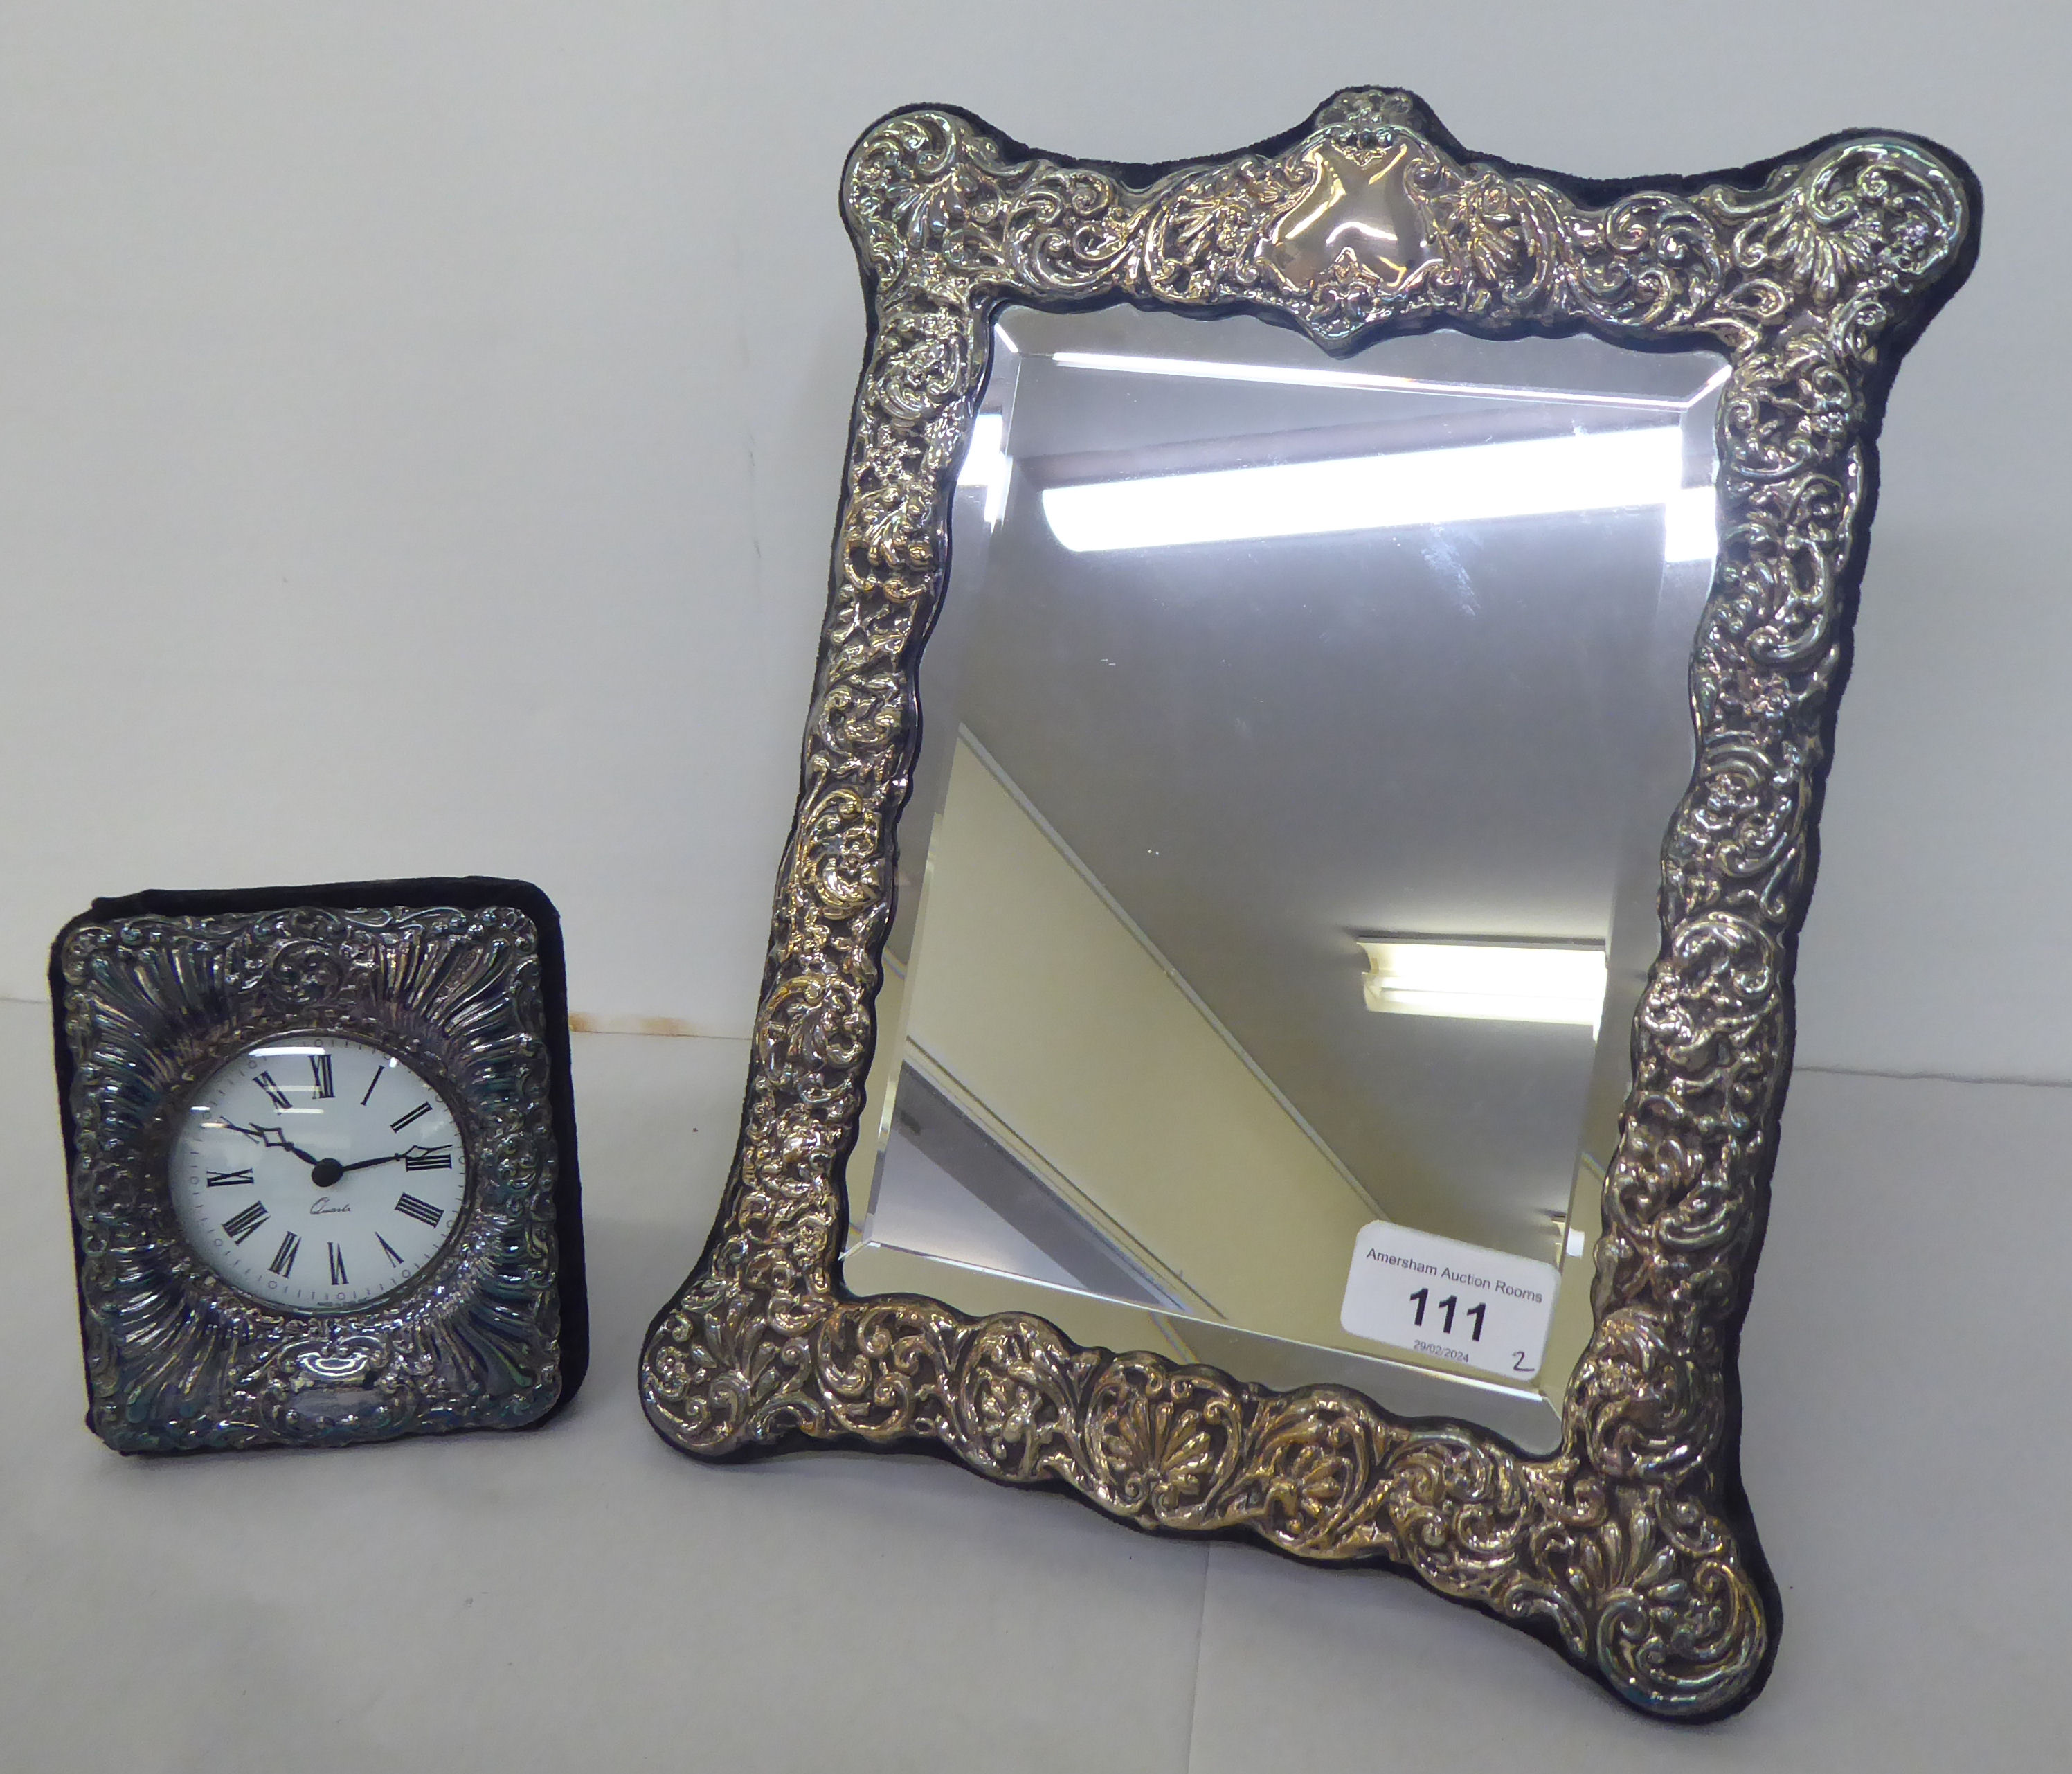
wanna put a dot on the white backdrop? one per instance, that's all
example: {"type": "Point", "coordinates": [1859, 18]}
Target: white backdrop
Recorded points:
{"type": "Point", "coordinates": [420, 427]}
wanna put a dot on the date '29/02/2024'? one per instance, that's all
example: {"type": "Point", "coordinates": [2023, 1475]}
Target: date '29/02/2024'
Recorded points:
{"type": "Point", "coordinates": [1435, 1296]}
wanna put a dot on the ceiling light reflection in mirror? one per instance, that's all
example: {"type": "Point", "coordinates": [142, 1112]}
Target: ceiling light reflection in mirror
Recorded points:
{"type": "Point", "coordinates": [1583, 472]}
{"type": "Point", "coordinates": [1506, 983]}
{"type": "Point", "coordinates": [1603, 470]}
{"type": "Point", "coordinates": [1299, 733]}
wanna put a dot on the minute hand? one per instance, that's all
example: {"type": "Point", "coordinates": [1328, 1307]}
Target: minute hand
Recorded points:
{"type": "Point", "coordinates": [366, 1163]}
{"type": "Point", "coordinates": [273, 1137]}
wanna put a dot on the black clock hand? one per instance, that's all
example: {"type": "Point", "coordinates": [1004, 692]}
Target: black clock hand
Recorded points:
{"type": "Point", "coordinates": [273, 1137]}
{"type": "Point", "coordinates": [397, 1158]}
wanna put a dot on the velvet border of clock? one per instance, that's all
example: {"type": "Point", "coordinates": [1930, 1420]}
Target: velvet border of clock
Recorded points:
{"type": "Point", "coordinates": [461, 981]}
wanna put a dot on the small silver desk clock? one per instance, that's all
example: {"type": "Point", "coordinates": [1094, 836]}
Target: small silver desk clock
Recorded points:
{"type": "Point", "coordinates": [321, 1146]}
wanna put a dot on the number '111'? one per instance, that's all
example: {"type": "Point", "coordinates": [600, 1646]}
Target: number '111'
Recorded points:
{"type": "Point", "coordinates": [1423, 1297]}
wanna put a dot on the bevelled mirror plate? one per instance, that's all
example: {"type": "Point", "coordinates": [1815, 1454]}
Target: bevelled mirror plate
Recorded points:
{"type": "Point", "coordinates": [1239, 1044]}
{"type": "Point", "coordinates": [1300, 735]}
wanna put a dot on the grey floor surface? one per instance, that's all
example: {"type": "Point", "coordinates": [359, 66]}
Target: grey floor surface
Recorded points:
{"type": "Point", "coordinates": [586, 1598]}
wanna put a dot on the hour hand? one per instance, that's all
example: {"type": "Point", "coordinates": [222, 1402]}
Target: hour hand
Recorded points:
{"type": "Point", "coordinates": [274, 1138]}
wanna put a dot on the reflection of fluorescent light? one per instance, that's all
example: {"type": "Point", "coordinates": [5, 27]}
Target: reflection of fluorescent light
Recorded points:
{"type": "Point", "coordinates": [987, 463]}
{"type": "Point", "coordinates": [1576, 1241]}
{"type": "Point", "coordinates": [277, 1053]}
{"type": "Point", "coordinates": [1288, 376]}
{"type": "Point", "coordinates": [1510, 983]}
{"type": "Point", "coordinates": [1691, 525]}
{"type": "Point", "coordinates": [1598, 471]}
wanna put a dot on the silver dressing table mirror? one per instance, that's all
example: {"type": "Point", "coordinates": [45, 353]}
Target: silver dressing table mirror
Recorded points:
{"type": "Point", "coordinates": [1279, 1000]}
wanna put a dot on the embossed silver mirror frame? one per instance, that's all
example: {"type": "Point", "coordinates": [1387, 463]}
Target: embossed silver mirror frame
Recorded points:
{"type": "Point", "coordinates": [1631, 1551]}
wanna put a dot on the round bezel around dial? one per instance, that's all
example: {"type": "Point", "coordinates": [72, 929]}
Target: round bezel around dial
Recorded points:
{"type": "Point", "coordinates": [318, 1172]}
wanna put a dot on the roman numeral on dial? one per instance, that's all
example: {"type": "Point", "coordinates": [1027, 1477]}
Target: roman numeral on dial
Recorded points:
{"type": "Point", "coordinates": [370, 1083]}
{"type": "Point", "coordinates": [280, 1098]}
{"type": "Point", "coordinates": [337, 1266]}
{"type": "Point", "coordinates": [223, 1180]}
{"type": "Point", "coordinates": [241, 1225]}
{"type": "Point", "coordinates": [320, 1072]}
{"type": "Point", "coordinates": [422, 1211]}
{"type": "Point", "coordinates": [283, 1264]}
{"type": "Point", "coordinates": [395, 1260]}
{"type": "Point", "coordinates": [429, 1158]}
{"type": "Point", "coordinates": [402, 1122]}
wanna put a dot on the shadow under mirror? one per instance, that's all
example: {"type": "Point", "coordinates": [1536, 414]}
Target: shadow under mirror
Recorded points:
{"type": "Point", "coordinates": [1279, 879]}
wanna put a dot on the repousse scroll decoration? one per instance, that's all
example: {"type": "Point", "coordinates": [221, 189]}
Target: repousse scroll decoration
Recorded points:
{"type": "Point", "coordinates": [177, 1358]}
{"type": "Point", "coordinates": [1616, 1547]}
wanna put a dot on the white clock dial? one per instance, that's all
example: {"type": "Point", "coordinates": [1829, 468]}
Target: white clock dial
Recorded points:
{"type": "Point", "coordinates": [317, 1173]}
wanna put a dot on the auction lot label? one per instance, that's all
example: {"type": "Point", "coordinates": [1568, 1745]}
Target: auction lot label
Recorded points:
{"type": "Point", "coordinates": [1437, 1296]}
